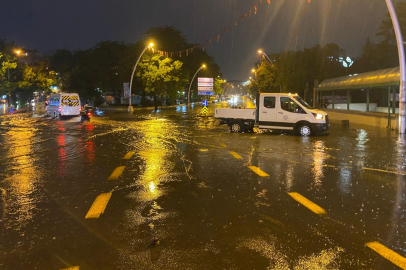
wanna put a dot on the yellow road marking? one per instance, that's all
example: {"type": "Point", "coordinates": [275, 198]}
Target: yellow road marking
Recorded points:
{"type": "Point", "coordinates": [234, 154]}
{"type": "Point", "coordinates": [203, 150]}
{"type": "Point", "coordinates": [117, 172]}
{"type": "Point", "coordinates": [223, 145]}
{"type": "Point", "coordinates": [98, 206]}
{"type": "Point", "coordinates": [378, 170]}
{"type": "Point", "coordinates": [129, 155]}
{"type": "Point", "coordinates": [72, 268]}
{"type": "Point", "coordinates": [258, 171]}
{"type": "Point", "coordinates": [307, 203]}
{"type": "Point", "coordinates": [388, 254]}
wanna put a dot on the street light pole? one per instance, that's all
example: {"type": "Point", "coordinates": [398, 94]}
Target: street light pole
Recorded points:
{"type": "Point", "coordinates": [401, 52]}
{"type": "Point", "coordinates": [190, 85]}
{"type": "Point", "coordinates": [130, 107]}
{"type": "Point", "coordinates": [266, 56]}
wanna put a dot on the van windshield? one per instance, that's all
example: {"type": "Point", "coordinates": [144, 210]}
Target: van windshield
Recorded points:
{"type": "Point", "coordinates": [302, 102]}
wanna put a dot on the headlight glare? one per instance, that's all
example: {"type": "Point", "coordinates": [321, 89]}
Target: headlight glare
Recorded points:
{"type": "Point", "coordinates": [318, 116]}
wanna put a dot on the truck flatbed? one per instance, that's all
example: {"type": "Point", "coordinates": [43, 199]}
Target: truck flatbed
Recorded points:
{"type": "Point", "coordinates": [235, 113]}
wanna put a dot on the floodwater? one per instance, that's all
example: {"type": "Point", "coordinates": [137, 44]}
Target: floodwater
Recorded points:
{"type": "Point", "coordinates": [187, 196]}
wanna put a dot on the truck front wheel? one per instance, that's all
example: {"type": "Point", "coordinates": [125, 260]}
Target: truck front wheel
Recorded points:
{"type": "Point", "coordinates": [305, 130]}
{"type": "Point", "coordinates": [236, 127]}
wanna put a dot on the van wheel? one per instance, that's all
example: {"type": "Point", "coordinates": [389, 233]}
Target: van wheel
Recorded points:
{"type": "Point", "coordinates": [305, 130]}
{"type": "Point", "coordinates": [236, 127]}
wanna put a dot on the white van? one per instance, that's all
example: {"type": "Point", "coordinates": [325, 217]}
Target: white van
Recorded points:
{"type": "Point", "coordinates": [64, 104]}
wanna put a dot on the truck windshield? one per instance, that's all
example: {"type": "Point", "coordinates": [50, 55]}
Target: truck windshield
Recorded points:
{"type": "Point", "coordinates": [302, 102]}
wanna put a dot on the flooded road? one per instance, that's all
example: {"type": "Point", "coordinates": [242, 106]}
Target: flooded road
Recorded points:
{"type": "Point", "coordinates": [174, 190]}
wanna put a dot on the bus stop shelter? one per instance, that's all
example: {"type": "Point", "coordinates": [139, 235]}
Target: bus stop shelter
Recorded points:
{"type": "Point", "coordinates": [379, 87]}
{"type": "Point", "coordinates": [376, 92]}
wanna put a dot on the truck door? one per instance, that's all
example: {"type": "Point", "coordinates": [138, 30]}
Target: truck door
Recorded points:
{"type": "Point", "coordinates": [289, 113]}
{"type": "Point", "coordinates": [267, 111]}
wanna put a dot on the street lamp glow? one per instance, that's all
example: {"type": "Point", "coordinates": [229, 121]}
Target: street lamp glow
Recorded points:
{"type": "Point", "coordinates": [253, 70]}
{"type": "Point", "coordinates": [203, 66]}
{"type": "Point", "coordinates": [151, 45]}
{"type": "Point", "coordinates": [264, 55]}
{"type": "Point", "coordinates": [18, 52]}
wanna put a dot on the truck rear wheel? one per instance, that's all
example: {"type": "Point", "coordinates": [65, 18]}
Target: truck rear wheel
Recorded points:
{"type": "Point", "coordinates": [236, 127]}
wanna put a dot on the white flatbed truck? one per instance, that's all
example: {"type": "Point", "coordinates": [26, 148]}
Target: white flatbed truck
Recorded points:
{"type": "Point", "coordinates": [276, 111]}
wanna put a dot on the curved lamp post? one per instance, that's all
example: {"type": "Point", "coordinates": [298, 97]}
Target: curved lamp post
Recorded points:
{"type": "Point", "coordinates": [401, 52]}
{"type": "Point", "coordinates": [266, 56]}
{"type": "Point", "coordinates": [130, 107]}
{"type": "Point", "coordinates": [188, 92]}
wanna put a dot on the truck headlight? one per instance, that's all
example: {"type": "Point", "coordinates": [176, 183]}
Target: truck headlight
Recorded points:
{"type": "Point", "coordinates": [318, 116]}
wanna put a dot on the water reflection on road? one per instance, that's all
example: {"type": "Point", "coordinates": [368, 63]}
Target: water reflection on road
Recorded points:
{"type": "Point", "coordinates": [21, 188]}
{"type": "Point", "coordinates": [184, 186]}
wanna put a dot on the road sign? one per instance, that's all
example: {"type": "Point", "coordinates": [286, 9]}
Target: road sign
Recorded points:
{"type": "Point", "coordinates": [206, 93]}
{"type": "Point", "coordinates": [126, 87]}
{"type": "Point", "coordinates": [204, 102]}
{"type": "Point", "coordinates": [203, 80]}
{"type": "Point", "coordinates": [205, 84]}
{"type": "Point", "coordinates": [204, 110]}
{"type": "Point", "coordinates": [205, 88]}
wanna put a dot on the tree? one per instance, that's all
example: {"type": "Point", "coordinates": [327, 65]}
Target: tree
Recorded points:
{"type": "Point", "coordinates": [290, 71]}
{"type": "Point", "coordinates": [217, 86]}
{"type": "Point", "coordinates": [94, 71]}
{"type": "Point", "coordinates": [36, 78]}
{"type": "Point", "coordinates": [103, 68]}
{"type": "Point", "coordinates": [170, 39]}
{"type": "Point", "coordinates": [8, 65]}
{"type": "Point", "coordinates": [267, 79]}
{"type": "Point", "coordinates": [160, 75]}
{"type": "Point", "coordinates": [385, 53]}
{"type": "Point", "coordinates": [386, 27]}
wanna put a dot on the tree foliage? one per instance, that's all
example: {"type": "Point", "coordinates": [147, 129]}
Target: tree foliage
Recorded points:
{"type": "Point", "coordinates": [384, 54]}
{"type": "Point", "coordinates": [267, 79]}
{"type": "Point", "coordinates": [290, 71]}
{"type": "Point", "coordinates": [218, 86]}
{"type": "Point", "coordinates": [103, 69]}
{"type": "Point", "coordinates": [162, 76]}
{"type": "Point", "coordinates": [7, 73]}
{"type": "Point", "coordinates": [386, 29]}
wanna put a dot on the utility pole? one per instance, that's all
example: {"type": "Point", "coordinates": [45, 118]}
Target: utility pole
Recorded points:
{"type": "Point", "coordinates": [401, 51]}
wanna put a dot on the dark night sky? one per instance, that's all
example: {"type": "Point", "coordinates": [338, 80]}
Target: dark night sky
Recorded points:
{"type": "Point", "coordinates": [47, 25]}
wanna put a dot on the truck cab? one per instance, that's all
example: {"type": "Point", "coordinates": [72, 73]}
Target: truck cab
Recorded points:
{"type": "Point", "coordinates": [276, 111]}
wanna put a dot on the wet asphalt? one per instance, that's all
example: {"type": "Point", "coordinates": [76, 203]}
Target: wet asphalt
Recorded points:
{"type": "Point", "coordinates": [188, 198]}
